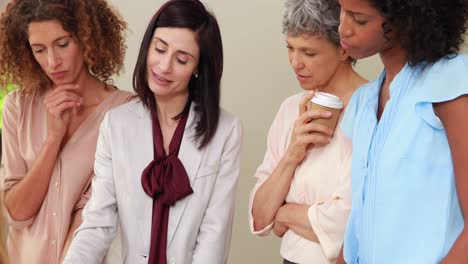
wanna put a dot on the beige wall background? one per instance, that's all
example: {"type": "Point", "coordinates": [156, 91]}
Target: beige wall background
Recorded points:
{"type": "Point", "coordinates": [257, 78]}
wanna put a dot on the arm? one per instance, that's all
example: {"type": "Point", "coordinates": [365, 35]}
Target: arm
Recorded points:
{"type": "Point", "coordinates": [76, 222]}
{"type": "Point", "coordinates": [25, 197]}
{"type": "Point", "coordinates": [76, 219]}
{"type": "Point", "coordinates": [270, 196]}
{"type": "Point", "coordinates": [453, 115]}
{"type": "Point", "coordinates": [215, 230]}
{"type": "Point", "coordinates": [323, 222]}
{"type": "Point", "coordinates": [295, 217]}
{"type": "Point", "coordinates": [95, 234]}
{"type": "Point", "coordinates": [340, 259]}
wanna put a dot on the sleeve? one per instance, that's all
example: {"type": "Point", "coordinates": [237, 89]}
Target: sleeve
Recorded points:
{"type": "Point", "coordinates": [93, 238]}
{"type": "Point", "coordinates": [274, 152]}
{"type": "Point", "coordinates": [14, 167]}
{"type": "Point", "coordinates": [443, 81]}
{"type": "Point", "coordinates": [214, 235]}
{"type": "Point", "coordinates": [84, 196]}
{"type": "Point", "coordinates": [328, 218]}
{"type": "Point", "coordinates": [350, 114]}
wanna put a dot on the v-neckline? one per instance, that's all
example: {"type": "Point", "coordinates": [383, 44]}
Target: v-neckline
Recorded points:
{"type": "Point", "coordinates": [91, 116]}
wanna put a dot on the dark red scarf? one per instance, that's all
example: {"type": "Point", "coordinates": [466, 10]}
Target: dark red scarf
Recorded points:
{"type": "Point", "coordinates": [166, 181]}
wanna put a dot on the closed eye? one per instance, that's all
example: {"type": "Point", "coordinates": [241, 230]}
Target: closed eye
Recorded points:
{"type": "Point", "coordinates": [183, 62]}
{"type": "Point", "coordinates": [64, 45]}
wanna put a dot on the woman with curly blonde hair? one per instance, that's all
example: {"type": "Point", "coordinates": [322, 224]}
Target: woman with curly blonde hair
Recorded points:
{"type": "Point", "coordinates": [62, 54]}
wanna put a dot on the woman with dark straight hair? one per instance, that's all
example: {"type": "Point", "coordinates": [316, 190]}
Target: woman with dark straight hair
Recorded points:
{"type": "Point", "coordinates": [167, 164]}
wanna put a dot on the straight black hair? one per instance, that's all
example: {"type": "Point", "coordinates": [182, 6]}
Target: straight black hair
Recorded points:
{"type": "Point", "coordinates": [204, 90]}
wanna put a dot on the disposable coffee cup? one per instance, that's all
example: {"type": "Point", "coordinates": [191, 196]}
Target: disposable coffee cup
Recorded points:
{"type": "Point", "coordinates": [330, 103]}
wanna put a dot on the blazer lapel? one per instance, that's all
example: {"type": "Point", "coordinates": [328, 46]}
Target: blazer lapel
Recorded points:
{"type": "Point", "coordinates": [191, 158]}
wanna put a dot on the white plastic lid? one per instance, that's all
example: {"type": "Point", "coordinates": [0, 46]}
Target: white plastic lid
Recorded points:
{"type": "Point", "coordinates": [328, 100]}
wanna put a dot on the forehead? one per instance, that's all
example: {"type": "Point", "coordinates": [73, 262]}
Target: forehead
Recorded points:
{"type": "Point", "coordinates": [45, 31]}
{"type": "Point", "coordinates": [360, 6]}
{"type": "Point", "coordinates": [182, 39]}
{"type": "Point", "coordinates": [308, 41]}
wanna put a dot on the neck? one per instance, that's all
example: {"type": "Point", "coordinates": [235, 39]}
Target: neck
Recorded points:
{"type": "Point", "coordinates": [344, 82]}
{"type": "Point", "coordinates": [393, 59]}
{"type": "Point", "coordinates": [168, 108]}
{"type": "Point", "coordinates": [91, 89]}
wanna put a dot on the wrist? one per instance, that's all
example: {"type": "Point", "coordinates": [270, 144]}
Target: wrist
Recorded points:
{"type": "Point", "coordinates": [291, 159]}
{"type": "Point", "coordinates": [53, 140]}
{"type": "Point", "coordinates": [282, 215]}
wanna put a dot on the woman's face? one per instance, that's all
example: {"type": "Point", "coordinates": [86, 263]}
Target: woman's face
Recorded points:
{"type": "Point", "coordinates": [361, 30]}
{"type": "Point", "coordinates": [171, 61]}
{"type": "Point", "coordinates": [314, 59]}
{"type": "Point", "coordinates": [56, 51]}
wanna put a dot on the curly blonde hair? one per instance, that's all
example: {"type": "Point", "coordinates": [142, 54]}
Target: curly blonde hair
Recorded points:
{"type": "Point", "coordinates": [98, 28]}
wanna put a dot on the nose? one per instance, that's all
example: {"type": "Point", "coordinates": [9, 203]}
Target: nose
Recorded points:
{"type": "Point", "coordinates": [295, 60]}
{"type": "Point", "coordinates": [53, 59]}
{"type": "Point", "coordinates": [165, 63]}
{"type": "Point", "coordinates": [344, 29]}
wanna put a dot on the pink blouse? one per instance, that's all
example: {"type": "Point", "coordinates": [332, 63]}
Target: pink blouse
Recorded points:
{"type": "Point", "coordinates": [321, 181]}
{"type": "Point", "coordinates": [41, 239]}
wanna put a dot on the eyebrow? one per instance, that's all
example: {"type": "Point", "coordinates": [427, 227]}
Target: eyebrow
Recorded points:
{"type": "Point", "coordinates": [356, 13]}
{"type": "Point", "coordinates": [180, 51]}
{"type": "Point", "coordinates": [55, 40]}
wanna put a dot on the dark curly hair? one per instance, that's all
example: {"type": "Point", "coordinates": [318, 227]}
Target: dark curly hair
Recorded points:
{"type": "Point", "coordinates": [97, 27]}
{"type": "Point", "coordinates": [428, 29]}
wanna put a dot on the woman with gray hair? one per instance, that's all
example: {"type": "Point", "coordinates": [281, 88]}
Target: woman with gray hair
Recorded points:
{"type": "Point", "coordinates": [302, 192]}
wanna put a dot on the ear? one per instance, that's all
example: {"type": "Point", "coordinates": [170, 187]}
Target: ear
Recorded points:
{"type": "Point", "coordinates": [342, 54]}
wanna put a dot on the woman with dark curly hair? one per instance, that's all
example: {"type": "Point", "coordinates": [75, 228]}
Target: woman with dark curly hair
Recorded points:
{"type": "Point", "coordinates": [408, 128]}
{"type": "Point", "coordinates": [61, 54]}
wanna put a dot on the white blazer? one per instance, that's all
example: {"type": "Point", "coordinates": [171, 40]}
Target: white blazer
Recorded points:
{"type": "Point", "coordinates": [200, 225]}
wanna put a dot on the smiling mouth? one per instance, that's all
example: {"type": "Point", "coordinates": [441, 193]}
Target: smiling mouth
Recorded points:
{"type": "Point", "coordinates": [161, 80]}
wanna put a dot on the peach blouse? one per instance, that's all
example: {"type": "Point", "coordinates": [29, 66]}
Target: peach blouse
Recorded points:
{"type": "Point", "coordinates": [41, 239]}
{"type": "Point", "coordinates": [321, 181]}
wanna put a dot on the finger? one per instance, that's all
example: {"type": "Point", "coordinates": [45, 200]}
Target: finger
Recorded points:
{"type": "Point", "coordinates": [304, 104]}
{"type": "Point", "coordinates": [58, 110]}
{"type": "Point", "coordinates": [69, 86]}
{"type": "Point", "coordinates": [315, 127]}
{"type": "Point", "coordinates": [62, 97]}
{"type": "Point", "coordinates": [61, 88]}
{"type": "Point", "coordinates": [312, 114]}
{"type": "Point", "coordinates": [315, 139]}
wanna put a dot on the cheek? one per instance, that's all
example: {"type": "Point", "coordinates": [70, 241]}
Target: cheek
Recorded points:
{"type": "Point", "coordinates": [184, 75]}
{"type": "Point", "coordinates": [41, 59]}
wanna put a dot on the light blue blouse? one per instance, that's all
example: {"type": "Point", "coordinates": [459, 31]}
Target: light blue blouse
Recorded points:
{"type": "Point", "coordinates": [404, 201]}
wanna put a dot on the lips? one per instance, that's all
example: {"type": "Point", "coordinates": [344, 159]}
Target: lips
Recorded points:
{"type": "Point", "coordinates": [345, 45]}
{"type": "Point", "coordinates": [58, 75]}
{"type": "Point", "coordinates": [301, 78]}
{"type": "Point", "coordinates": [158, 79]}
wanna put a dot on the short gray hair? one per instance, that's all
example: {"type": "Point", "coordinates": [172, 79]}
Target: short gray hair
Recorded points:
{"type": "Point", "coordinates": [312, 17]}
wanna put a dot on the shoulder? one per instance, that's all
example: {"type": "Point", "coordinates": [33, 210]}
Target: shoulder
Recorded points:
{"type": "Point", "coordinates": [289, 109]}
{"type": "Point", "coordinates": [19, 99]}
{"type": "Point", "coordinates": [359, 97]}
{"type": "Point", "coordinates": [228, 122]}
{"type": "Point", "coordinates": [444, 80]}
{"type": "Point", "coordinates": [292, 102]}
{"type": "Point", "coordinates": [127, 111]}
{"type": "Point", "coordinates": [121, 96]}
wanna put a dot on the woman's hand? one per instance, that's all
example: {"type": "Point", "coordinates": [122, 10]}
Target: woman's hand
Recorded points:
{"type": "Point", "coordinates": [59, 104]}
{"type": "Point", "coordinates": [303, 138]}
